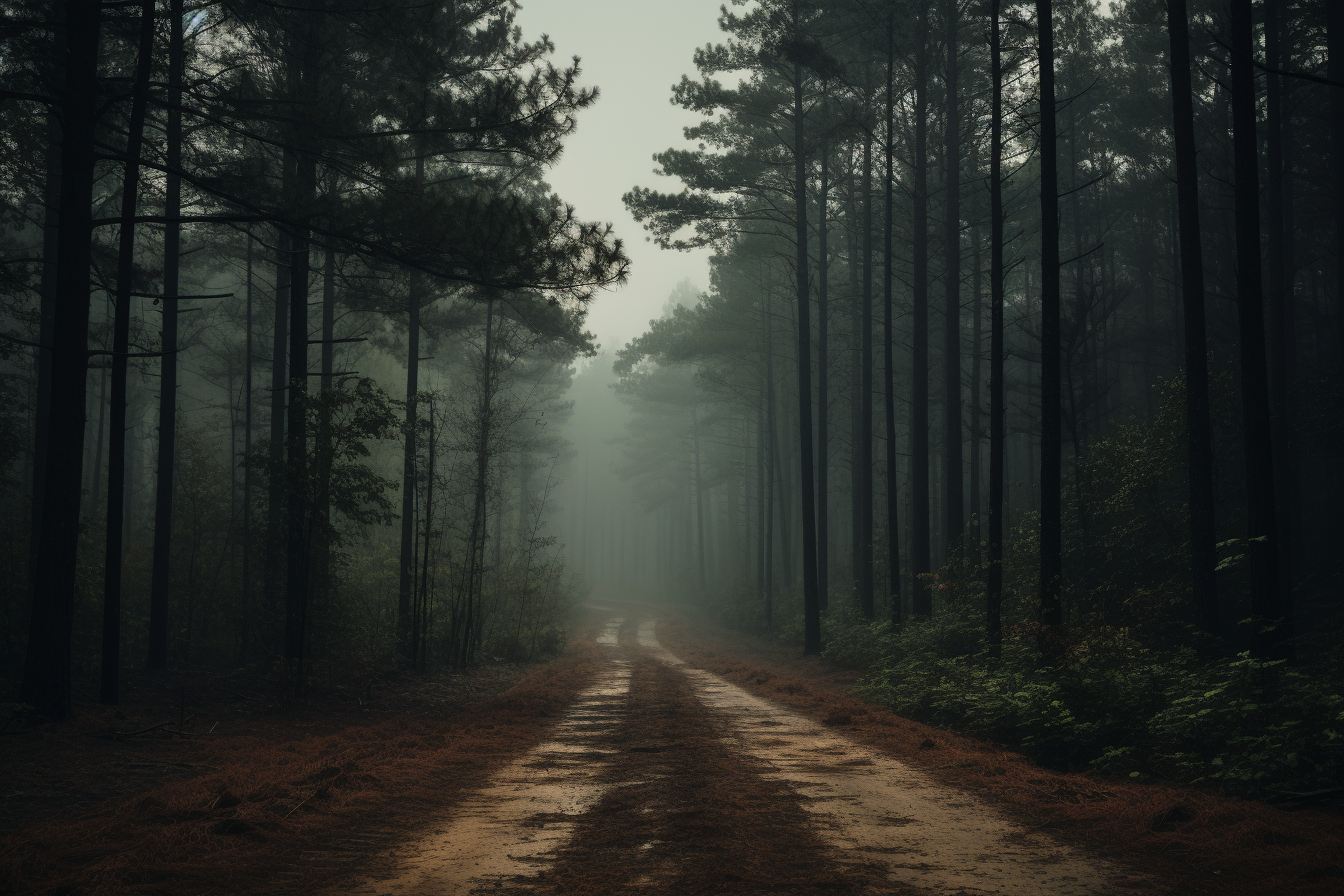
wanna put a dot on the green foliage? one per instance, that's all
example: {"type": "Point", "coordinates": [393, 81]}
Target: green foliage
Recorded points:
{"type": "Point", "coordinates": [1113, 703]}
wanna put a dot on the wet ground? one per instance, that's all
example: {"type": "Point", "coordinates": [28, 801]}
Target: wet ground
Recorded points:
{"type": "Point", "coordinates": [665, 778]}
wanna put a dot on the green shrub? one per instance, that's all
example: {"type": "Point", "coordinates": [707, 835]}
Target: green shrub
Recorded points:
{"type": "Point", "coordinates": [1112, 703]}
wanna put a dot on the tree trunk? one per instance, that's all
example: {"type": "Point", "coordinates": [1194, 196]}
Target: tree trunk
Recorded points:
{"type": "Point", "coordinates": [811, 601]}
{"type": "Point", "coordinates": [247, 463]}
{"type": "Point", "coordinates": [1199, 448]}
{"type": "Point", "coordinates": [994, 577]}
{"type": "Point", "coordinates": [298, 510]}
{"type": "Point", "coordinates": [865, 435]}
{"type": "Point", "coordinates": [275, 504]}
{"type": "Point", "coordinates": [1334, 12]}
{"type": "Point", "coordinates": [823, 384]}
{"type": "Point", "coordinates": [160, 584]}
{"type": "Point", "coordinates": [46, 673]}
{"type": "Point", "coordinates": [954, 499]}
{"type": "Point", "coordinates": [415, 296]}
{"type": "Point", "coordinates": [773, 467]}
{"type": "Point", "coordinates": [762, 484]}
{"type": "Point", "coordinates": [977, 347]}
{"type": "Point", "coordinates": [888, 337]}
{"type": "Point", "coordinates": [1280, 288]}
{"type": "Point", "coordinates": [1271, 614]}
{"type": "Point", "coordinates": [1051, 542]}
{"type": "Point", "coordinates": [699, 507]}
{"type": "Point", "coordinates": [920, 560]}
{"type": "Point", "coordinates": [51, 199]}
{"type": "Point", "coordinates": [110, 681]}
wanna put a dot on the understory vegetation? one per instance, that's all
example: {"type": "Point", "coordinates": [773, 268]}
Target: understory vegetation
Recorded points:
{"type": "Point", "coordinates": [1137, 690]}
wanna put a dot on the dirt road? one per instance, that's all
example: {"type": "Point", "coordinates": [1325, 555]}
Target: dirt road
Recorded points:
{"type": "Point", "coordinates": [665, 778]}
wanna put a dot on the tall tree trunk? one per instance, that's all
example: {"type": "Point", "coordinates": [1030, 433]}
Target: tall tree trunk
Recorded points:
{"type": "Point", "coordinates": [823, 386]}
{"type": "Point", "coordinates": [248, 609]}
{"type": "Point", "coordinates": [920, 559]}
{"type": "Point", "coordinates": [1271, 614]}
{"type": "Point", "coordinates": [855, 377]}
{"type": "Point", "coordinates": [110, 680]}
{"type": "Point", "coordinates": [954, 499]}
{"type": "Point", "coordinates": [864, 446]}
{"type": "Point", "coordinates": [1051, 541]}
{"type": "Point", "coordinates": [888, 337]}
{"type": "Point", "coordinates": [994, 578]}
{"type": "Point", "coordinates": [422, 627]}
{"type": "Point", "coordinates": [46, 673]}
{"type": "Point", "coordinates": [1335, 72]}
{"type": "Point", "coordinates": [1280, 288]}
{"type": "Point", "coordinates": [51, 200]}
{"type": "Point", "coordinates": [977, 348]}
{"type": "Point", "coordinates": [275, 504]}
{"type": "Point", "coordinates": [407, 565]}
{"type": "Point", "coordinates": [762, 484]}
{"type": "Point", "coordinates": [298, 508]}
{"type": "Point", "coordinates": [96, 488]}
{"type": "Point", "coordinates": [772, 467]}
{"type": "Point", "coordinates": [699, 507]}
{"type": "Point", "coordinates": [298, 524]}
{"type": "Point", "coordinates": [325, 449]}
{"type": "Point", "coordinates": [1199, 447]}
{"type": "Point", "coordinates": [415, 297]}
{"type": "Point", "coordinates": [160, 584]}
{"type": "Point", "coordinates": [811, 601]}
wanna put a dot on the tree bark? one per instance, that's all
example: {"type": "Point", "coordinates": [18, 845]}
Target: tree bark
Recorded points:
{"type": "Point", "coordinates": [247, 461]}
{"type": "Point", "coordinates": [888, 337]}
{"type": "Point", "coordinates": [1270, 613]}
{"type": "Point", "coordinates": [1199, 447]}
{"type": "Point", "coordinates": [865, 435]}
{"type": "Point", "coordinates": [954, 499]}
{"type": "Point", "coordinates": [110, 679]}
{"type": "Point", "coordinates": [46, 674]}
{"type": "Point", "coordinates": [994, 576]}
{"type": "Point", "coordinates": [160, 582]}
{"type": "Point", "coordinates": [920, 559]}
{"type": "Point", "coordinates": [415, 297]}
{"type": "Point", "coordinates": [275, 504]}
{"type": "Point", "coordinates": [1051, 569]}
{"type": "Point", "coordinates": [823, 386]}
{"type": "Point", "coordinates": [811, 600]}
{"type": "Point", "coordinates": [1280, 288]}
{"type": "Point", "coordinates": [1335, 72]}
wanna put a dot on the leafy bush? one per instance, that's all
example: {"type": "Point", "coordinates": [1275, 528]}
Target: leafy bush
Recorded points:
{"type": "Point", "coordinates": [1113, 704]}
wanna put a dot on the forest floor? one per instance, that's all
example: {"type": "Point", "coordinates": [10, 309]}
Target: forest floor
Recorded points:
{"type": "Point", "coordinates": [660, 755]}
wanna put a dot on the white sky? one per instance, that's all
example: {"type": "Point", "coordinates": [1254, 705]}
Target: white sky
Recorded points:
{"type": "Point", "coordinates": [634, 51]}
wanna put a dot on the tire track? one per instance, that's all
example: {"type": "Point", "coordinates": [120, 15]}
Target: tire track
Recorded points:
{"type": "Point", "coordinates": [880, 812]}
{"type": "Point", "coordinates": [505, 833]}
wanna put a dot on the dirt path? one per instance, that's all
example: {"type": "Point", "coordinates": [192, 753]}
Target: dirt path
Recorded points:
{"type": "Point", "coordinates": [665, 778]}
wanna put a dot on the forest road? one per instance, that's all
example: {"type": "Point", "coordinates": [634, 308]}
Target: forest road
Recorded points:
{"type": "Point", "coordinates": [665, 778]}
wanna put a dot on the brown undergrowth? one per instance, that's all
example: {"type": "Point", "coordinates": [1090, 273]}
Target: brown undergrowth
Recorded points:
{"type": "Point", "coordinates": [265, 813]}
{"type": "Point", "coordinates": [1197, 841]}
{"type": "Point", "coordinates": [685, 814]}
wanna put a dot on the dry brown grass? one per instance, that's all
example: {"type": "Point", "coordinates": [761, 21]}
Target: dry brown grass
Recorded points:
{"type": "Point", "coordinates": [274, 814]}
{"type": "Point", "coordinates": [1197, 841]}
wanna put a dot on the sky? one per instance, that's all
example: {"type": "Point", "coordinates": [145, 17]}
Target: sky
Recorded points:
{"type": "Point", "coordinates": [633, 52]}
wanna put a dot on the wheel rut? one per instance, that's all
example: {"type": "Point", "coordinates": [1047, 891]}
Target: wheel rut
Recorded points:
{"type": "Point", "coordinates": [664, 778]}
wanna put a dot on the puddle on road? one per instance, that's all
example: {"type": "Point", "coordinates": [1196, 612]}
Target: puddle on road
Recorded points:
{"type": "Point", "coordinates": [881, 812]}
{"type": "Point", "coordinates": [505, 833]}
{"type": "Point", "coordinates": [611, 632]}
